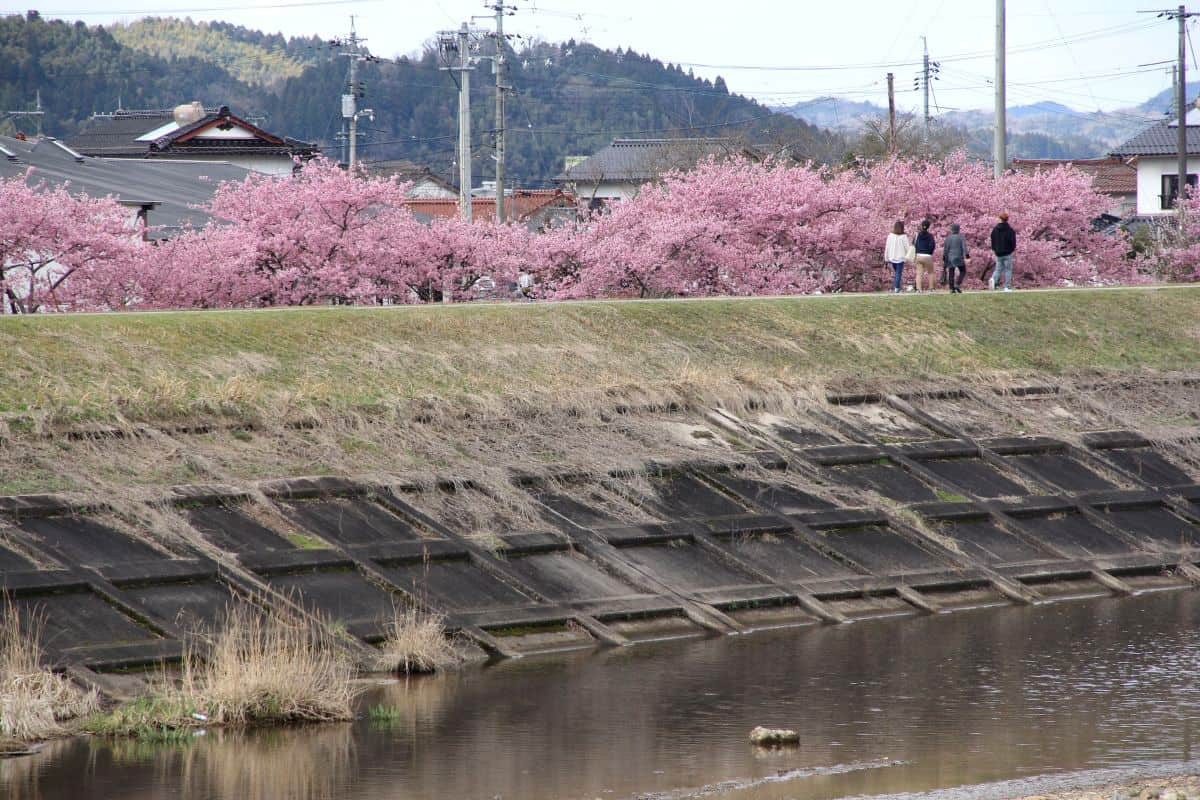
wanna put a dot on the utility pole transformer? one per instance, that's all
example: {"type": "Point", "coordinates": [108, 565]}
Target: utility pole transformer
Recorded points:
{"type": "Point", "coordinates": [350, 111]}
{"type": "Point", "coordinates": [999, 141]}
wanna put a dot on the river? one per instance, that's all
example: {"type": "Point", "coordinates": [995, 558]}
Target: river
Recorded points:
{"type": "Point", "coordinates": [886, 706]}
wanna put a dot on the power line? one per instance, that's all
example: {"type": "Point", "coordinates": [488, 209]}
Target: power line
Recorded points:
{"type": "Point", "coordinates": [150, 11]}
{"type": "Point", "coordinates": [1099, 33]}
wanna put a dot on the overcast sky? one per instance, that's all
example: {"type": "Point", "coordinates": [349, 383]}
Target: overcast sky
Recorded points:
{"type": "Point", "coordinates": [1082, 53]}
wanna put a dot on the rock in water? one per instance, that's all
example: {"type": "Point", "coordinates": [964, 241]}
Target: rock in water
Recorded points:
{"type": "Point", "coordinates": [773, 737]}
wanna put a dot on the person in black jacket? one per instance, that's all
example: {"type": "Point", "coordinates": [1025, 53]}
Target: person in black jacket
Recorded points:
{"type": "Point", "coordinates": [924, 246]}
{"type": "Point", "coordinates": [1004, 244]}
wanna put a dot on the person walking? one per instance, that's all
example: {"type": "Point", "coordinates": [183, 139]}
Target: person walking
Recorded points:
{"type": "Point", "coordinates": [925, 245]}
{"type": "Point", "coordinates": [954, 258]}
{"type": "Point", "coordinates": [895, 252]}
{"type": "Point", "coordinates": [1004, 244]}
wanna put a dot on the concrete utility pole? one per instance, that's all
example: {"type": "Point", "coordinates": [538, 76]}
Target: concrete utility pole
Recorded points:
{"type": "Point", "coordinates": [498, 66]}
{"type": "Point", "coordinates": [1181, 110]}
{"type": "Point", "coordinates": [891, 115]}
{"type": "Point", "coordinates": [999, 141]}
{"type": "Point", "coordinates": [350, 112]}
{"type": "Point", "coordinates": [925, 85]}
{"type": "Point", "coordinates": [458, 43]}
{"type": "Point", "coordinates": [464, 122]}
{"type": "Point", "coordinates": [1181, 15]}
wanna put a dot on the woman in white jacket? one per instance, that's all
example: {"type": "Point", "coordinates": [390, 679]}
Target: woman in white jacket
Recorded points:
{"type": "Point", "coordinates": [896, 253]}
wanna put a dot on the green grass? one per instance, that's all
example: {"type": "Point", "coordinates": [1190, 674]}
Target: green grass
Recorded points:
{"type": "Point", "coordinates": [244, 365]}
{"type": "Point", "coordinates": [382, 713]}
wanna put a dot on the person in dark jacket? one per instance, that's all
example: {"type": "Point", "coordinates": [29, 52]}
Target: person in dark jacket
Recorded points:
{"type": "Point", "coordinates": [1004, 244]}
{"type": "Point", "coordinates": [924, 246]}
{"type": "Point", "coordinates": [954, 258]}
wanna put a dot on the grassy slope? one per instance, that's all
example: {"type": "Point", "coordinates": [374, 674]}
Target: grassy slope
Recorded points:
{"type": "Point", "coordinates": [148, 367]}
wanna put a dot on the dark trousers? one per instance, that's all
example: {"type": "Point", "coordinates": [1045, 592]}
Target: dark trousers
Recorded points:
{"type": "Point", "coordinates": [962, 273]}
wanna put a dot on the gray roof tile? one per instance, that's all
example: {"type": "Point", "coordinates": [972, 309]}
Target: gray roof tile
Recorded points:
{"type": "Point", "coordinates": [645, 159]}
{"type": "Point", "coordinates": [1160, 139]}
{"type": "Point", "coordinates": [175, 184]}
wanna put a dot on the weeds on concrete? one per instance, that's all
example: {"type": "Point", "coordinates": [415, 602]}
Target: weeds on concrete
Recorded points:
{"type": "Point", "coordinates": [415, 643]}
{"type": "Point", "coordinates": [34, 702]}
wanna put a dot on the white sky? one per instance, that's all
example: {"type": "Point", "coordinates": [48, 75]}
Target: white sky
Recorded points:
{"type": "Point", "coordinates": [1082, 53]}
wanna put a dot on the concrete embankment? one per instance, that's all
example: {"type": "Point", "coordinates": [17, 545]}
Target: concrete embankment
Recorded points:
{"type": "Point", "coordinates": [775, 497]}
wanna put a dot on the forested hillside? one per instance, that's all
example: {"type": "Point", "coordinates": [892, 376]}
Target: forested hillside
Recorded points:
{"type": "Point", "coordinates": [568, 99]}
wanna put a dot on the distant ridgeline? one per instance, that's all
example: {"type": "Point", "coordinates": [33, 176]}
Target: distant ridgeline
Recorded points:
{"type": "Point", "coordinates": [570, 99]}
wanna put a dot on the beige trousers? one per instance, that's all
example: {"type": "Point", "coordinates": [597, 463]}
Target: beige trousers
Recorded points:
{"type": "Point", "coordinates": [924, 264]}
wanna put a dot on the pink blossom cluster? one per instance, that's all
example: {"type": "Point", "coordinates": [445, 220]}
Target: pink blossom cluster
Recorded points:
{"type": "Point", "coordinates": [1180, 258]}
{"type": "Point", "coordinates": [740, 228]}
{"type": "Point", "coordinates": [50, 239]}
{"type": "Point", "coordinates": [326, 235]}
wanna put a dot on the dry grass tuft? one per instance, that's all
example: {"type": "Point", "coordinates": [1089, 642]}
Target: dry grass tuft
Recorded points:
{"type": "Point", "coordinates": [267, 669]}
{"type": "Point", "coordinates": [252, 670]}
{"type": "Point", "coordinates": [34, 702]}
{"type": "Point", "coordinates": [416, 643]}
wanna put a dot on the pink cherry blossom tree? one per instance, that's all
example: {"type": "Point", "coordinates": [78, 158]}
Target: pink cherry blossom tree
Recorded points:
{"type": "Point", "coordinates": [51, 239]}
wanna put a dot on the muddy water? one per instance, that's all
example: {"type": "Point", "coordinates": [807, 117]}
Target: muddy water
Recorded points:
{"type": "Point", "coordinates": [884, 707]}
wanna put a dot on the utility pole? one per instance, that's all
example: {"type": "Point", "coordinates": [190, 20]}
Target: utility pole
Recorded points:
{"type": "Point", "coordinates": [459, 42]}
{"type": "Point", "coordinates": [891, 115]}
{"type": "Point", "coordinates": [999, 141]}
{"type": "Point", "coordinates": [1181, 110]}
{"type": "Point", "coordinates": [350, 98]}
{"type": "Point", "coordinates": [1181, 15]}
{"type": "Point", "coordinates": [925, 85]}
{"type": "Point", "coordinates": [499, 62]}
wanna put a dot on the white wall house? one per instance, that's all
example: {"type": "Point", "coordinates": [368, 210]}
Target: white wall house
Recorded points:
{"type": "Point", "coordinates": [1155, 153]}
{"type": "Point", "coordinates": [190, 132]}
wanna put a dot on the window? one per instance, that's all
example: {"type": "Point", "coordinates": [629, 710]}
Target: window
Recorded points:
{"type": "Point", "coordinates": [1170, 188]}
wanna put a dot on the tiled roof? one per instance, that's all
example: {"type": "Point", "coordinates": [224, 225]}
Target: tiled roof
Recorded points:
{"type": "Point", "coordinates": [176, 185]}
{"type": "Point", "coordinates": [1109, 175]}
{"type": "Point", "coordinates": [521, 205]}
{"type": "Point", "coordinates": [407, 171]}
{"type": "Point", "coordinates": [642, 160]}
{"type": "Point", "coordinates": [117, 135]}
{"type": "Point", "coordinates": [1160, 139]}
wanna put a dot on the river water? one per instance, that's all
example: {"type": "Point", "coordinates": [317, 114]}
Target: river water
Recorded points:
{"type": "Point", "coordinates": [1076, 689]}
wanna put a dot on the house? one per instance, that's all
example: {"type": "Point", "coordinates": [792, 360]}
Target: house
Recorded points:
{"type": "Point", "coordinates": [189, 132]}
{"type": "Point", "coordinates": [619, 170]}
{"type": "Point", "coordinates": [1112, 176]}
{"type": "Point", "coordinates": [161, 195]}
{"type": "Point", "coordinates": [425, 183]}
{"type": "Point", "coordinates": [536, 209]}
{"type": "Point", "coordinates": [1154, 151]}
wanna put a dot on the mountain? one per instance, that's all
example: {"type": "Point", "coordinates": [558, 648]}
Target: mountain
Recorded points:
{"type": "Point", "coordinates": [1038, 130]}
{"type": "Point", "coordinates": [569, 99]}
{"type": "Point", "coordinates": [1163, 103]}
{"type": "Point", "coordinates": [249, 56]}
{"type": "Point", "coordinates": [835, 113]}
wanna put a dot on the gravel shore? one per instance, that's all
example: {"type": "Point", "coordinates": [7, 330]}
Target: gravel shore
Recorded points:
{"type": "Point", "coordinates": [1178, 788]}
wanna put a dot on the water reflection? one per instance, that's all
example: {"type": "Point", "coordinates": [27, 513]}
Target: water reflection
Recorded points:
{"type": "Point", "coordinates": [959, 699]}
